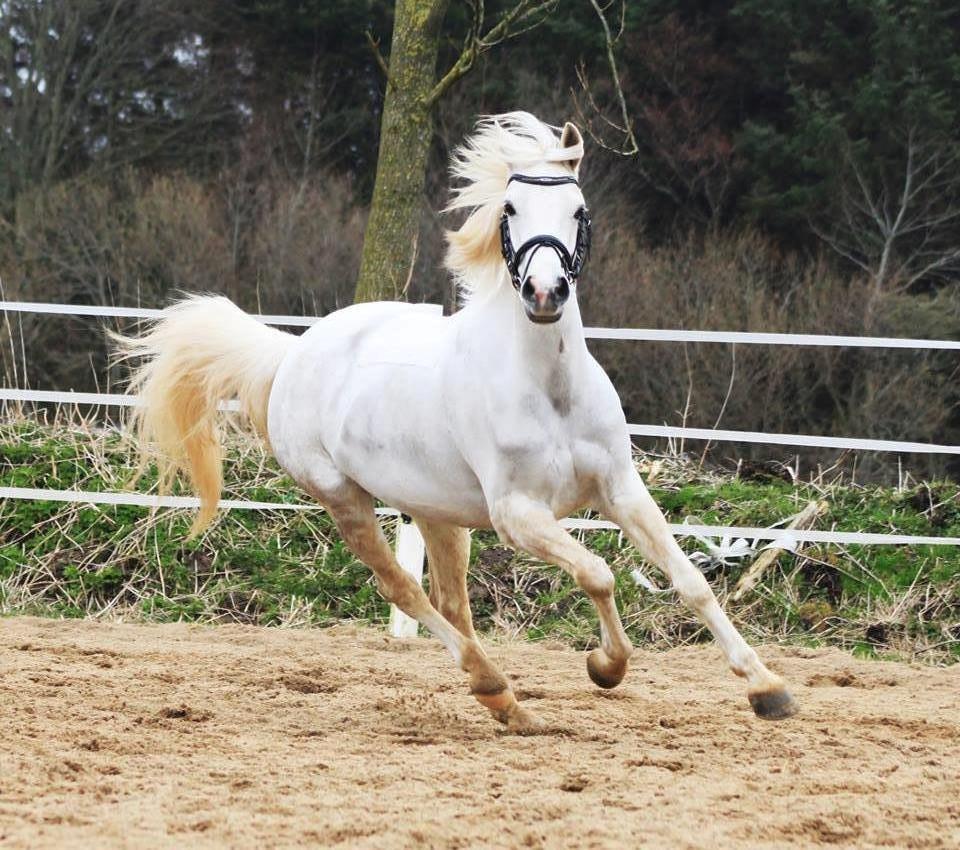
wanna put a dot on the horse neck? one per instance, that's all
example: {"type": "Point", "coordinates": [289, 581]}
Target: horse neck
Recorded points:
{"type": "Point", "coordinates": [542, 351]}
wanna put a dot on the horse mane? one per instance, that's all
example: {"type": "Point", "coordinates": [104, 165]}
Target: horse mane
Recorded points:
{"type": "Point", "coordinates": [484, 161]}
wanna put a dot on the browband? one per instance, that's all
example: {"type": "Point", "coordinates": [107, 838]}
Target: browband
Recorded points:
{"type": "Point", "coordinates": [542, 181]}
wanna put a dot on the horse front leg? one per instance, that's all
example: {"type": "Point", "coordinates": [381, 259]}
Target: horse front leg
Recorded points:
{"type": "Point", "coordinates": [635, 511]}
{"type": "Point", "coordinates": [530, 525]}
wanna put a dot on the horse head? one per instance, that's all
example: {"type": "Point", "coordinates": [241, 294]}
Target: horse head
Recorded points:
{"type": "Point", "coordinates": [529, 224]}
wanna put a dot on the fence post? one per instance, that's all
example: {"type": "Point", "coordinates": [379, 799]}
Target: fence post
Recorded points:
{"type": "Point", "coordinates": [410, 550]}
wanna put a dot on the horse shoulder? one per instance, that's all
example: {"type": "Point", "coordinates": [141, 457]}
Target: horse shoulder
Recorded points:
{"type": "Point", "coordinates": [602, 442]}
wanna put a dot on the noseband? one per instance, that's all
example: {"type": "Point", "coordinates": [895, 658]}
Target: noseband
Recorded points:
{"type": "Point", "coordinates": [572, 263]}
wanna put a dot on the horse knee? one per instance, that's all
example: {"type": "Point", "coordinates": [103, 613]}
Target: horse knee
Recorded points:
{"type": "Point", "coordinates": [596, 578]}
{"type": "Point", "coordinates": [511, 519]}
{"type": "Point", "coordinates": [693, 589]}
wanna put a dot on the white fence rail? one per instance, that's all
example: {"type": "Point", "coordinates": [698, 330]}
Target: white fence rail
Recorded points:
{"type": "Point", "coordinates": [856, 443]}
{"type": "Point", "coordinates": [642, 334]}
{"type": "Point", "coordinates": [105, 399]}
{"type": "Point", "coordinates": [410, 546]}
{"type": "Point", "coordinates": [785, 535]}
{"type": "Point", "coordinates": [638, 430]}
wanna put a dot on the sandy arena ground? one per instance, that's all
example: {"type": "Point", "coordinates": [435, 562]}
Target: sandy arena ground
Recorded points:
{"type": "Point", "coordinates": [185, 736]}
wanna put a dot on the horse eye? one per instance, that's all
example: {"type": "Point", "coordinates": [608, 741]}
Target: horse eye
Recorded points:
{"type": "Point", "coordinates": [580, 213]}
{"type": "Point", "coordinates": [509, 209]}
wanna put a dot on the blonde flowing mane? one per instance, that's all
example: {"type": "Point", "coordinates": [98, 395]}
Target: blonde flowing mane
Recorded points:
{"type": "Point", "coordinates": [484, 161]}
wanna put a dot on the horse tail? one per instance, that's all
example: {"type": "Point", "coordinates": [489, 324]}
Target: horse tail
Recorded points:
{"type": "Point", "coordinates": [202, 351]}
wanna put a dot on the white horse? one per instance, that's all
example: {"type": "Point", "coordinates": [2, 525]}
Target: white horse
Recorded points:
{"type": "Point", "coordinates": [496, 417]}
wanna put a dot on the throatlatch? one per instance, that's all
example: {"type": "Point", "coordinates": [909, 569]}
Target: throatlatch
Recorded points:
{"type": "Point", "coordinates": [572, 263]}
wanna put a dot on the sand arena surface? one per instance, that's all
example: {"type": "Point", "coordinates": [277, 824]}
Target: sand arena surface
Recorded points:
{"type": "Point", "coordinates": [184, 736]}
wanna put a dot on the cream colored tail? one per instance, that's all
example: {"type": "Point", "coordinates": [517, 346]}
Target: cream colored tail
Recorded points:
{"type": "Point", "coordinates": [203, 350]}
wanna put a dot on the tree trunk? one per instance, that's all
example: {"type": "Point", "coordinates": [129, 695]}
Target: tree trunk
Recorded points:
{"type": "Point", "coordinates": [406, 130]}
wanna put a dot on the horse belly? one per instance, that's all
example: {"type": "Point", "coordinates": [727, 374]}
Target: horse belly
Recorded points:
{"type": "Point", "coordinates": [392, 439]}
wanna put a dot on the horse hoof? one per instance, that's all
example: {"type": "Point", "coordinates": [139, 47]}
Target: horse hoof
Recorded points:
{"type": "Point", "coordinates": [521, 721]}
{"type": "Point", "coordinates": [773, 705]}
{"type": "Point", "coordinates": [604, 672]}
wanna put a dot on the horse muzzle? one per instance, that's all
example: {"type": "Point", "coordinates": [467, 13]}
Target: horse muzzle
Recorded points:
{"type": "Point", "coordinates": [544, 305]}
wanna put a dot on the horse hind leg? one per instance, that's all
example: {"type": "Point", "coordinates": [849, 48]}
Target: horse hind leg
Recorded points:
{"type": "Point", "coordinates": [352, 511]}
{"type": "Point", "coordinates": [448, 557]}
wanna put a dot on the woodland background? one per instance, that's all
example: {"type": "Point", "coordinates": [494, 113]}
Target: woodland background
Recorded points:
{"type": "Point", "coordinates": [794, 166]}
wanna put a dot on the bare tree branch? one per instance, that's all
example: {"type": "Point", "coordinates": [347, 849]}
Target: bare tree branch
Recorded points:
{"type": "Point", "coordinates": [520, 19]}
{"type": "Point", "coordinates": [900, 237]}
{"type": "Point", "coordinates": [374, 45]}
{"type": "Point", "coordinates": [671, 121]}
{"type": "Point", "coordinates": [630, 146]}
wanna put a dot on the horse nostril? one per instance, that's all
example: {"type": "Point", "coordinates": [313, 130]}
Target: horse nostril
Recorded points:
{"type": "Point", "coordinates": [527, 291]}
{"type": "Point", "coordinates": [562, 291]}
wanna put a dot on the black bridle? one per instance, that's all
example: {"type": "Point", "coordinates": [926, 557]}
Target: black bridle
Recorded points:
{"type": "Point", "coordinates": [572, 263]}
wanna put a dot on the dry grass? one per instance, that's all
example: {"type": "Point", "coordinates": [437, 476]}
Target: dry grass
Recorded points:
{"type": "Point", "coordinates": [290, 569]}
{"type": "Point", "coordinates": [129, 562]}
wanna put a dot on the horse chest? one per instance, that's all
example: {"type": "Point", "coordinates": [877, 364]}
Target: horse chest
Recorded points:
{"type": "Point", "coordinates": [542, 450]}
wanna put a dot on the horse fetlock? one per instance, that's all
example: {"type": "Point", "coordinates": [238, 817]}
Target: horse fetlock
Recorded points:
{"type": "Point", "coordinates": [518, 720]}
{"type": "Point", "coordinates": [503, 705]}
{"type": "Point", "coordinates": [500, 704]}
{"type": "Point", "coordinates": [486, 681]}
{"type": "Point", "coordinates": [747, 665]}
{"type": "Point", "coordinates": [522, 721]}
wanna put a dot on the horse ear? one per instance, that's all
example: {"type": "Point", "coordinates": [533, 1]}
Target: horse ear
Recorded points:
{"type": "Point", "coordinates": [571, 138]}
